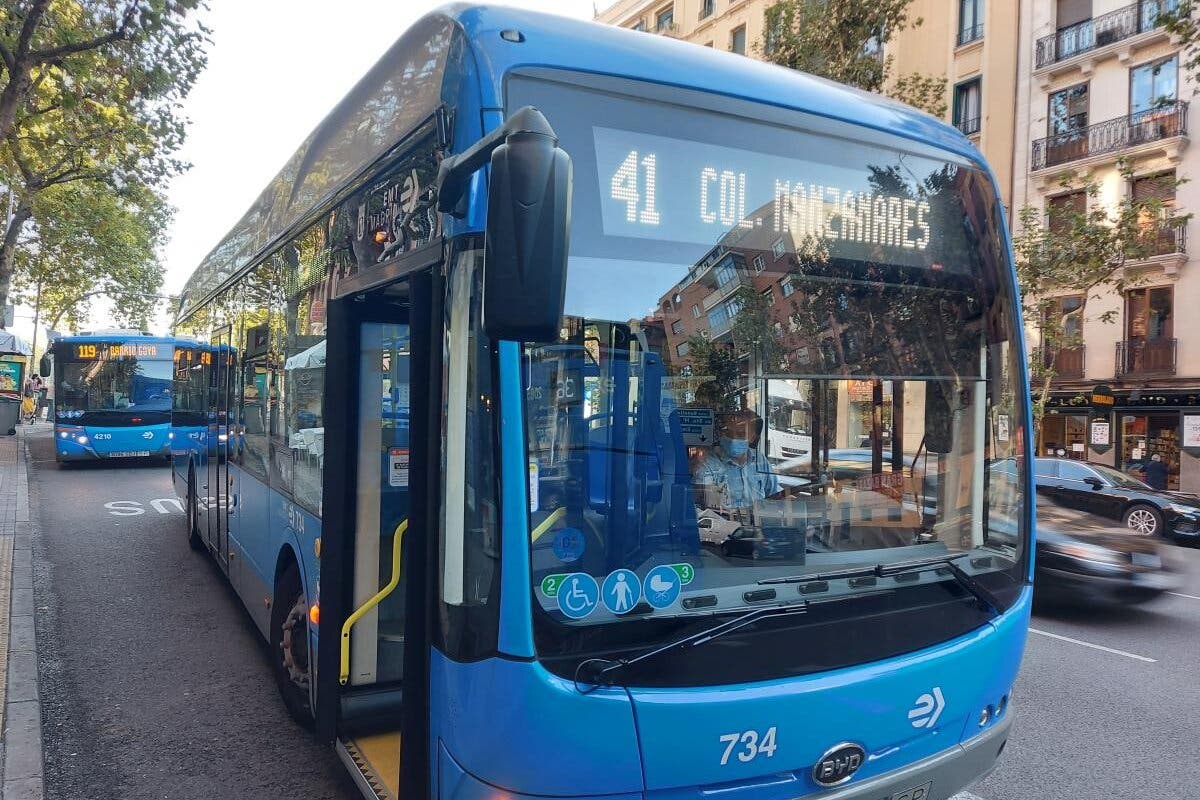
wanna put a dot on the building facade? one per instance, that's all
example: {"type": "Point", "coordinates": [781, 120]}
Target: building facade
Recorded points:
{"type": "Point", "coordinates": [1101, 83]}
{"type": "Point", "coordinates": [732, 25]}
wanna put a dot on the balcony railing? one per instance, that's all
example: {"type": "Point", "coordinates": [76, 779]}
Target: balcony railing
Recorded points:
{"type": "Point", "coordinates": [1112, 135]}
{"type": "Point", "coordinates": [1100, 31]}
{"type": "Point", "coordinates": [969, 127]}
{"type": "Point", "coordinates": [1164, 239]}
{"type": "Point", "coordinates": [1146, 357]}
{"type": "Point", "coordinates": [1066, 362]}
{"type": "Point", "coordinates": [970, 34]}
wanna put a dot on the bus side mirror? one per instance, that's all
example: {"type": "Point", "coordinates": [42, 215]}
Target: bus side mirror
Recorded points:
{"type": "Point", "coordinates": [528, 220]}
{"type": "Point", "coordinates": [528, 223]}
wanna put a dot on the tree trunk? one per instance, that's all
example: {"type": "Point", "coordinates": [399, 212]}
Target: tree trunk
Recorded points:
{"type": "Point", "coordinates": [8, 254]}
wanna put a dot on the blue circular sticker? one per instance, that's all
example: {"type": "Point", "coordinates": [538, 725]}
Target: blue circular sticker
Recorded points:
{"type": "Point", "coordinates": [662, 586]}
{"type": "Point", "coordinates": [621, 591]}
{"type": "Point", "coordinates": [578, 595]}
{"type": "Point", "coordinates": [568, 544]}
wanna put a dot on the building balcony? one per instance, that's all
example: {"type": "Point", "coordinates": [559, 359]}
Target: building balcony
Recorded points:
{"type": "Point", "coordinates": [1067, 363]}
{"type": "Point", "coordinates": [1144, 133]}
{"type": "Point", "coordinates": [739, 280]}
{"type": "Point", "coordinates": [1145, 357]}
{"type": "Point", "coordinates": [970, 34]}
{"type": "Point", "coordinates": [969, 127]}
{"type": "Point", "coordinates": [1162, 245]}
{"type": "Point", "coordinates": [1115, 34]}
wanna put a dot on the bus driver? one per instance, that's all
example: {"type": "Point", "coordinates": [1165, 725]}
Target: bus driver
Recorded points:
{"type": "Point", "coordinates": [734, 474]}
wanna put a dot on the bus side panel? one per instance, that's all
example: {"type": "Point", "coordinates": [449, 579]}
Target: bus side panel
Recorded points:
{"type": "Point", "coordinates": [252, 571]}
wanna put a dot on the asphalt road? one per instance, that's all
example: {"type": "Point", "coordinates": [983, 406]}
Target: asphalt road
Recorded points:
{"type": "Point", "coordinates": [154, 681]}
{"type": "Point", "coordinates": [156, 685]}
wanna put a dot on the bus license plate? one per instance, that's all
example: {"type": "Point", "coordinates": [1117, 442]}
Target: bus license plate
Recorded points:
{"type": "Point", "coordinates": [915, 793]}
{"type": "Point", "coordinates": [130, 454]}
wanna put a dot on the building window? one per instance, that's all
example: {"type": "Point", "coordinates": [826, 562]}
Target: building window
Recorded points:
{"type": "Point", "coordinates": [1061, 211]}
{"type": "Point", "coordinates": [769, 295]}
{"type": "Point", "coordinates": [706, 8]}
{"type": "Point", "coordinates": [718, 316]}
{"type": "Point", "coordinates": [771, 33]}
{"type": "Point", "coordinates": [677, 327]}
{"type": "Point", "coordinates": [970, 20]}
{"type": "Point", "coordinates": [1069, 110]}
{"type": "Point", "coordinates": [640, 25]}
{"type": "Point", "coordinates": [708, 44]}
{"type": "Point", "coordinates": [682, 349]}
{"type": "Point", "coordinates": [787, 287]}
{"type": "Point", "coordinates": [1149, 314]}
{"type": "Point", "coordinates": [665, 20]}
{"type": "Point", "coordinates": [778, 248]}
{"type": "Point", "coordinates": [733, 305]}
{"type": "Point", "coordinates": [737, 40]}
{"type": "Point", "coordinates": [1153, 85]}
{"type": "Point", "coordinates": [725, 273]}
{"type": "Point", "coordinates": [667, 306]}
{"type": "Point", "coordinates": [695, 311]}
{"type": "Point", "coordinates": [967, 105]}
{"type": "Point", "coordinates": [760, 264]}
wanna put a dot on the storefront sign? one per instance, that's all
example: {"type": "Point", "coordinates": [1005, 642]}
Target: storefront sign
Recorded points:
{"type": "Point", "coordinates": [1102, 397]}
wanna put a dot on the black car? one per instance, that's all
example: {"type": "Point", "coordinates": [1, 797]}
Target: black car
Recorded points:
{"type": "Point", "coordinates": [1100, 490]}
{"type": "Point", "coordinates": [1084, 568]}
{"type": "Point", "coordinates": [764, 543]}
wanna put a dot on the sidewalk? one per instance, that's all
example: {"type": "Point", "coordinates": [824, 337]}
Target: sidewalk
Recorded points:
{"type": "Point", "coordinates": [20, 706]}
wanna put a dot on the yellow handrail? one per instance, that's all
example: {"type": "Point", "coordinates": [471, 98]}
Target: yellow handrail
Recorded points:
{"type": "Point", "coordinates": [361, 611]}
{"type": "Point", "coordinates": [554, 517]}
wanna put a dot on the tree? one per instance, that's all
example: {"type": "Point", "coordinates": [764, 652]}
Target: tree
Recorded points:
{"type": "Point", "coordinates": [84, 240]}
{"type": "Point", "coordinates": [89, 95]}
{"type": "Point", "coordinates": [1182, 21]}
{"type": "Point", "coordinates": [1082, 252]}
{"type": "Point", "coordinates": [843, 40]}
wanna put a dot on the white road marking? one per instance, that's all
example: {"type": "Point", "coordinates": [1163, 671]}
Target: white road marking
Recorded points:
{"type": "Point", "coordinates": [966, 796]}
{"type": "Point", "coordinates": [1188, 596]}
{"type": "Point", "coordinates": [1094, 646]}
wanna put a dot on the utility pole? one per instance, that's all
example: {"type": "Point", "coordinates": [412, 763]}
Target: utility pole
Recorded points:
{"type": "Point", "coordinates": [37, 310]}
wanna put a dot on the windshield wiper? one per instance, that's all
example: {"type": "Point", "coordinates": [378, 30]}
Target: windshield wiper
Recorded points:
{"type": "Point", "coordinates": [605, 668]}
{"type": "Point", "coordinates": [965, 579]}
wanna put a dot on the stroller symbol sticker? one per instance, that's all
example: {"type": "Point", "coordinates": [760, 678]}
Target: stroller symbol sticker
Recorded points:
{"type": "Point", "coordinates": [662, 587]}
{"type": "Point", "coordinates": [578, 595]}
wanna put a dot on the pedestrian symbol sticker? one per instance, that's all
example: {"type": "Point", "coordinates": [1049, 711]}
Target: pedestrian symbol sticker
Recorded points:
{"type": "Point", "coordinates": [621, 591]}
{"type": "Point", "coordinates": [662, 586]}
{"type": "Point", "coordinates": [578, 595]}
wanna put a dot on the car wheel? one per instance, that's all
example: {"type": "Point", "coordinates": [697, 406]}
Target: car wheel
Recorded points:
{"type": "Point", "coordinates": [1144, 520]}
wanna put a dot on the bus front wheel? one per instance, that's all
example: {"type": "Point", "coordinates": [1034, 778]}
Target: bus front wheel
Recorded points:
{"type": "Point", "coordinates": [290, 656]}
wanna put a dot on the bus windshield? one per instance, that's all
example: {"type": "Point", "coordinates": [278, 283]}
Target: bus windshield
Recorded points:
{"type": "Point", "coordinates": [787, 355]}
{"type": "Point", "coordinates": [113, 391]}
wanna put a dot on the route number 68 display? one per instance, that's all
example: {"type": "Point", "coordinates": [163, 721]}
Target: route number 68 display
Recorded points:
{"type": "Point", "coordinates": [748, 745]}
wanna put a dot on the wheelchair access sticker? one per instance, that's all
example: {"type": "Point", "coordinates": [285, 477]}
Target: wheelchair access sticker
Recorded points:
{"type": "Point", "coordinates": [578, 595]}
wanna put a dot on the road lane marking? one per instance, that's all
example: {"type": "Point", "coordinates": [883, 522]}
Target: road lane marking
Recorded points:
{"type": "Point", "coordinates": [966, 796]}
{"type": "Point", "coordinates": [1188, 596]}
{"type": "Point", "coordinates": [1094, 646]}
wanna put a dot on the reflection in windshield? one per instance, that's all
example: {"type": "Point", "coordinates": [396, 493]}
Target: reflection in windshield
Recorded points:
{"type": "Point", "coordinates": [112, 385]}
{"type": "Point", "coordinates": [1117, 478]}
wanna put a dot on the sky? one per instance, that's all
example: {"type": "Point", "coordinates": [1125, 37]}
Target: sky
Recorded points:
{"type": "Point", "coordinates": [275, 68]}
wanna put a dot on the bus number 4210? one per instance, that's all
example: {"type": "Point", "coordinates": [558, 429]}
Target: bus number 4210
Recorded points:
{"type": "Point", "coordinates": [748, 745]}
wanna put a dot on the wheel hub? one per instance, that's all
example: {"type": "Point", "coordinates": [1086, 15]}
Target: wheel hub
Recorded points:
{"type": "Point", "coordinates": [294, 644]}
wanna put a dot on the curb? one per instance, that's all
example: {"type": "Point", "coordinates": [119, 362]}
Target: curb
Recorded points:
{"type": "Point", "coordinates": [20, 700]}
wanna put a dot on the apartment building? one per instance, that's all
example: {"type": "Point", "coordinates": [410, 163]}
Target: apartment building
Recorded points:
{"type": "Point", "coordinates": [733, 25]}
{"type": "Point", "coordinates": [1100, 81]}
{"type": "Point", "coordinates": [974, 44]}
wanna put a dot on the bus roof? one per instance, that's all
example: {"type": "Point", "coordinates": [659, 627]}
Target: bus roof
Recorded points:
{"type": "Point", "coordinates": [406, 86]}
{"type": "Point", "coordinates": [114, 336]}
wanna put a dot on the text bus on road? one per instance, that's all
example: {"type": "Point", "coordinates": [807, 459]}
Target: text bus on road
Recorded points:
{"type": "Point", "coordinates": [467, 463]}
{"type": "Point", "coordinates": [112, 395]}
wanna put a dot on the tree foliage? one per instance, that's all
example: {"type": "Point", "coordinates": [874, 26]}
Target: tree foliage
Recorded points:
{"type": "Point", "coordinates": [1066, 251]}
{"type": "Point", "coordinates": [844, 40]}
{"type": "Point", "coordinates": [1183, 22]}
{"type": "Point", "coordinates": [89, 104]}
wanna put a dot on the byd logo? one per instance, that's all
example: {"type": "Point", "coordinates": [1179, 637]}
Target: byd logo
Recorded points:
{"type": "Point", "coordinates": [839, 764]}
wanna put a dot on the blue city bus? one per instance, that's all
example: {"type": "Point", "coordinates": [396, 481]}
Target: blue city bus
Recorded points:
{"type": "Point", "coordinates": [499, 356]}
{"type": "Point", "coordinates": [112, 395]}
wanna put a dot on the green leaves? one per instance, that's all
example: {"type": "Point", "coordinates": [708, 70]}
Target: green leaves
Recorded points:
{"type": "Point", "coordinates": [90, 92]}
{"type": "Point", "coordinates": [844, 40]}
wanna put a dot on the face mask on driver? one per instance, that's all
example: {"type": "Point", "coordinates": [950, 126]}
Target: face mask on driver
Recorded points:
{"type": "Point", "coordinates": [735, 447]}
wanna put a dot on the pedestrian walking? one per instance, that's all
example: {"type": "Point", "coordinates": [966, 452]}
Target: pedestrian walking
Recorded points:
{"type": "Point", "coordinates": [1156, 472]}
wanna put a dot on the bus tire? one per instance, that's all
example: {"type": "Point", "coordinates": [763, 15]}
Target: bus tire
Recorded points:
{"type": "Point", "coordinates": [290, 656]}
{"type": "Point", "coordinates": [192, 518]}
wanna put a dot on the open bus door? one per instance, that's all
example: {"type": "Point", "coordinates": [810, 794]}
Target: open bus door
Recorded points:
{"type": "Point", "coordinates": [373, 657]}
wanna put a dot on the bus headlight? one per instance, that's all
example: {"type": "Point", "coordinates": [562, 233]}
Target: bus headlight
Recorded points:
{"type": "Point", "coordinates": [82, 438]}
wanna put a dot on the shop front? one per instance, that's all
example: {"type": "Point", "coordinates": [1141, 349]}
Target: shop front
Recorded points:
{"type": "Point", "coordinates": [1127, 429]}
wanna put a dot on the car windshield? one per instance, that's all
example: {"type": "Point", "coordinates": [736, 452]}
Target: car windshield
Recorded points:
{"type": "Point", "coordinates": [1119, 479]}
{"type": "Point", "coordinates": [775, 362]}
